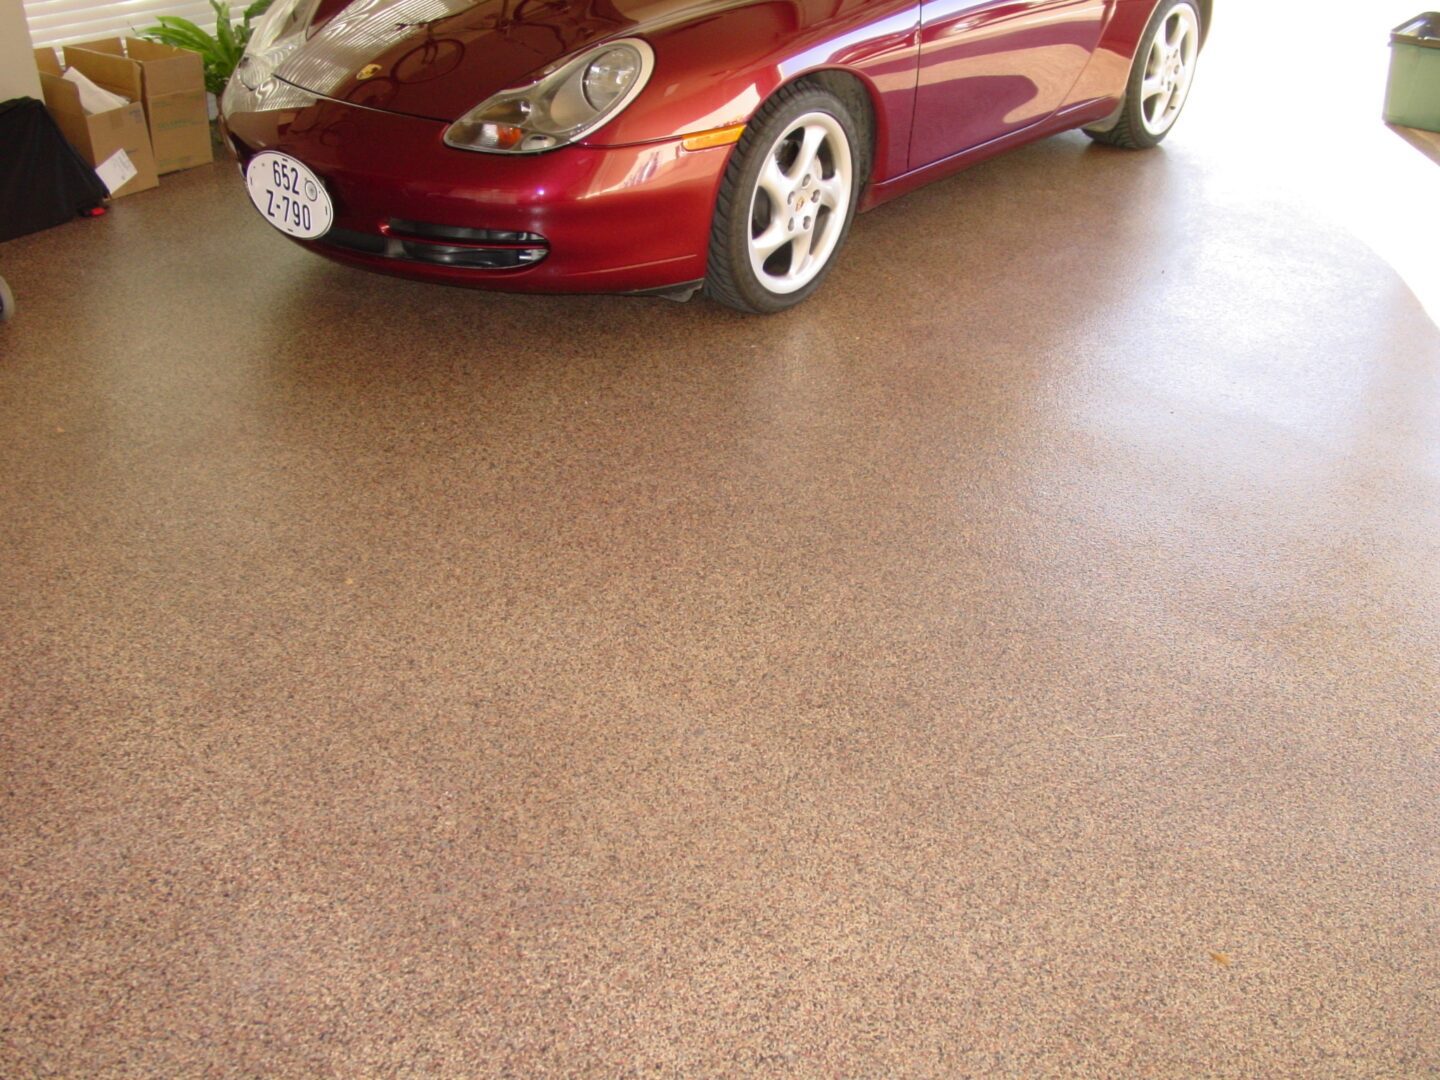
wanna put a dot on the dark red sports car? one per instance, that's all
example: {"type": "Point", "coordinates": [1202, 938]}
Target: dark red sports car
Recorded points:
{"type": "Point", "coordinates": [664, 145]}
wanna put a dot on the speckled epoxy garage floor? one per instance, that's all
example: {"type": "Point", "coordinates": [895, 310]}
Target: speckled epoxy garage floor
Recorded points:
{"type": "Point", "coordinates": [1024, 658]}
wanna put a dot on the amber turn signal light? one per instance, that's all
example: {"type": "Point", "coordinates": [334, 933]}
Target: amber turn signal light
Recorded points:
{"type": "Point", "coordinates": [718, 137]}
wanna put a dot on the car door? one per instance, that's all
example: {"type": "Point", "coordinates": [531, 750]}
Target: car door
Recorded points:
{"type": "Point", "coordinates": [991, 67]}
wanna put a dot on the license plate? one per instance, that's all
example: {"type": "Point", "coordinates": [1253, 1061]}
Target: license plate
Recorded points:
{"type": "Point", "coordinates": [291, 197]}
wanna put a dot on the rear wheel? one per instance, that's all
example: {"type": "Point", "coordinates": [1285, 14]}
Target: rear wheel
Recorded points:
{"type": "Point", "coordinates": [1159, 80]}
{"type": "Point", "coordinates": [786, 202]}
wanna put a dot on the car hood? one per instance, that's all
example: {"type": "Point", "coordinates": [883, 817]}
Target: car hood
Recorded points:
{"type": "Point", "coordinates": [441, 58]}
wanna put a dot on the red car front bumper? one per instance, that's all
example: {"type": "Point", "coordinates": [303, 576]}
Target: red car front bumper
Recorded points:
{"type": "Point", "coordinates": [614, 219]}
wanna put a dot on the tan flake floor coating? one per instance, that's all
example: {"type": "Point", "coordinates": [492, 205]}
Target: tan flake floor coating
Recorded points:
{"type": "Point", "coordinates": [1021, 659]}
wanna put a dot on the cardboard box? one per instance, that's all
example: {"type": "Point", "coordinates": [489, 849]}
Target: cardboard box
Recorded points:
{"type": "Point", "coordinates": [100, 135]}
{"type": "Point", "coordinates": [170, 82]}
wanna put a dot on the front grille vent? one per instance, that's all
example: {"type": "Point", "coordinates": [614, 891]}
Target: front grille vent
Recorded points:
{"type": "Point", "coordinates": [444, 245]}
{"type": "Point", "coordinates": [420, 230]}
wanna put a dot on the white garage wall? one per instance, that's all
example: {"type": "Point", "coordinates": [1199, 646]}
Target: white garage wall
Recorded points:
{"type": "Point", "coordinates": [17, 66]}
{"type": "Point", "coordinates": [54, 22]}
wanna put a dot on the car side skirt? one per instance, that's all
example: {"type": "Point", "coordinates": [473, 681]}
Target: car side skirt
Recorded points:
{"type": "Point", "coordinates": [1074, 116]}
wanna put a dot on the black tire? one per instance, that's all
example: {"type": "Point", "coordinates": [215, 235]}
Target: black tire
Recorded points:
{"type": "Point", "coordinates": [730, 279]}
{"type": "Point", "coordinates": [1131, 132]}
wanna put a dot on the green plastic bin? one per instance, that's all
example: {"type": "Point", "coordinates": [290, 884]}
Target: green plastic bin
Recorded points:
{"type": "Point", "coordinates": [1413, 96]}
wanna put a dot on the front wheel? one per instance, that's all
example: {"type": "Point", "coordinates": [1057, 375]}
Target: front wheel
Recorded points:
{"type": "Point", "coordinates": [786, 202]}
{"type": "Point", "coordinates": [1159, 80]}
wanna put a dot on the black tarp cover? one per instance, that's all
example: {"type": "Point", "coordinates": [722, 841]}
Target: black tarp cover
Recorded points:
{"type": "Point", "coordinates": [43, 181]}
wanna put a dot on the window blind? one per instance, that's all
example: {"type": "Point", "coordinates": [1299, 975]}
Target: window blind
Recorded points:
{"type": "Point", "coordinates": [54, 22]}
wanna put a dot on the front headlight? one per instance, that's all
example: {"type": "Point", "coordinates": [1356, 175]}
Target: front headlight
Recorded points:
{"type": "Point", "coordinates": [563, 105]}
{"type": "Point", "coordinates": [279, 32]}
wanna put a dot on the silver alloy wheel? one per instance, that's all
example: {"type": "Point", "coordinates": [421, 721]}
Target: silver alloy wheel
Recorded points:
{"type": "Point", "coordinates": [1169, 69]}
{"type": "Point", "coordinates": [800, 201]}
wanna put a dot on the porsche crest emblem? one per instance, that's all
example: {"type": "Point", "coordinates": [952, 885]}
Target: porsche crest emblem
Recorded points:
{"type": "Point", "coordinates": [369, 71]}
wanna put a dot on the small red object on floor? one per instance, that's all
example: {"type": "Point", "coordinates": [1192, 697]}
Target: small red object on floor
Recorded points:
{"type": "Point", "coordinates": [94, 211]}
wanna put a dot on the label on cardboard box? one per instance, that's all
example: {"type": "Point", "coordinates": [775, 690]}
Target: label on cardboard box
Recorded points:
{"type": "Point", "coordinates": [116, 171]}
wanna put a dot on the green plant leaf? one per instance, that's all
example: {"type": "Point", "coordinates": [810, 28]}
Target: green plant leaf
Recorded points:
{"type": "Point", "coordinates": [184, 34]}
{"type": "Point", "coordinates": [224, 34]}
{"type": "Point", "coordinates": [186, 25]}
{"type": "Point", "coordinates": [258, 8]}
